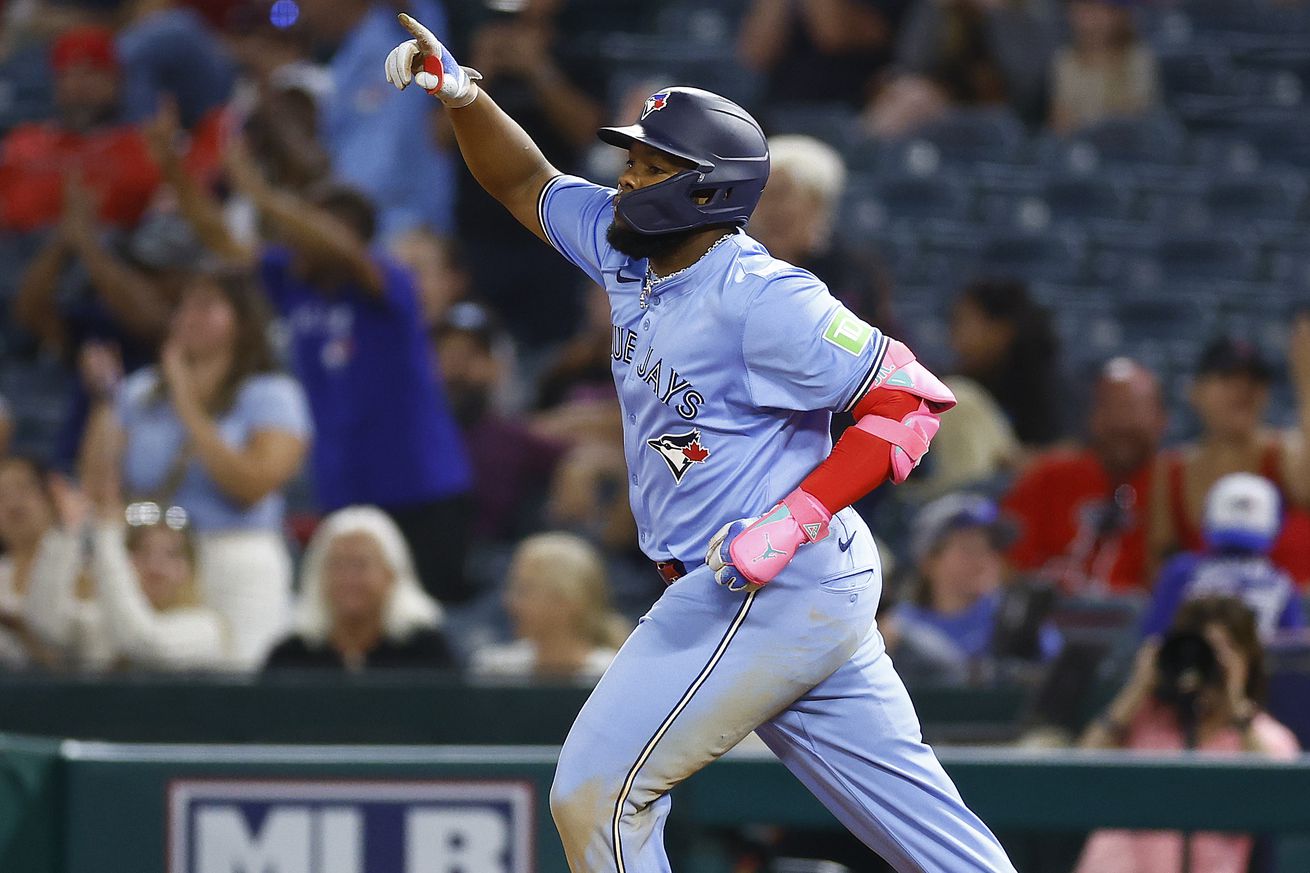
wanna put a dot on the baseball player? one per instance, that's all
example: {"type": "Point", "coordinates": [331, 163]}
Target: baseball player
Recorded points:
{"type": "Point", "coordinates": [729, 364]}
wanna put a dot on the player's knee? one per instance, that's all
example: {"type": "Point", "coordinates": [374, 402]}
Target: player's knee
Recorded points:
{"type": "Point", "coordinates": [583, 792]}
{"type": "Point", "coordinates": [577, 804]}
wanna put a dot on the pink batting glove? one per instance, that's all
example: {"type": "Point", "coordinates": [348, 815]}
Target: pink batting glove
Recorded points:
{"type": "Point", "coordinates": [747, 554]}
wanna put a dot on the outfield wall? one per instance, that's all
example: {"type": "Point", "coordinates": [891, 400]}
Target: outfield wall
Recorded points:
{"type": "Point", "coordinates": [79, 807]}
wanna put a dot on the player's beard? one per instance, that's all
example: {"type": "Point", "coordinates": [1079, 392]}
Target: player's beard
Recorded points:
{"type": "Point", "coordinates": [639, 245]}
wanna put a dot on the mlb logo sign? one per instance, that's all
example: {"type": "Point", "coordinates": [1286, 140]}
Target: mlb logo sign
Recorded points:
{"type": "Point", "coordinates": [247, 826]}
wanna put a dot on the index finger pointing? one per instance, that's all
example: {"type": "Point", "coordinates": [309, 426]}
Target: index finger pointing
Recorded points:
{"type": "Point", "coordinates": [426, 40]}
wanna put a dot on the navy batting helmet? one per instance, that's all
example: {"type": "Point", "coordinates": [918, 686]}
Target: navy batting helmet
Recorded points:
{"type": "Point", "coordinates": [727, 146]}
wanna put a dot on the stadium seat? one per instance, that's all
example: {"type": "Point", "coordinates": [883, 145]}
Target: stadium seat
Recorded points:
{"type": "Point", "coordinates": [1259, 198]}
{"type": "Point", "coordinates": [711, 23]}
{"type": "Point", "coordinates": [1165, 318]}
{"type": "Point", "coordinates": [918, 198]}
{"type": "Point", "coordinates": [1054, 257]}
{"type": "Point", "coordinates": [1081, 199]}
{"type": "Point", "coordinates": [1222, 21]}
{"type": "Point", "coordinates": [1151, 140]}
{"type": "Point", "coordinates": [943, 252]}
{"type": "Point", "coordinates": [1009, 196]}
{"type": "Point", "coordinates": [1206, 257]}
{"type": "Point", "coordinates": [923, 313]}
{"type": "Point", "coordinates": [1121, 255]}
{"type": "Point", "coordinates": [1089, 330]}
{"type": "Point", "coordinates": [1173, 200]}
{"type": "Point", "coordinates": [964, 137]}
{"type": "Point", "coordinates": [836, 125]}
{"type": "Point", "coordinates": [1194, 70]}
{"type": "Point", "coordinates": [1280, 134]}
{"type": "Point", "coordinates": [630, 59]}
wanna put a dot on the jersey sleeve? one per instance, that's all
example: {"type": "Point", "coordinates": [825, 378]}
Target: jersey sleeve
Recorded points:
{"type": "Point", "coordinates": [804, 350]}
{"type": "Point", "coordinates": [575, 214]}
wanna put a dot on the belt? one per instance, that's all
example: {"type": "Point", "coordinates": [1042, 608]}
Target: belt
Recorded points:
{"type": "Point", "coordinates": [671, 570]}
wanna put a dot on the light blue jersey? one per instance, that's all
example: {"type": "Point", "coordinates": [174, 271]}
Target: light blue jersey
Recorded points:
{"type": "Point", "coordinates": [728, 373]}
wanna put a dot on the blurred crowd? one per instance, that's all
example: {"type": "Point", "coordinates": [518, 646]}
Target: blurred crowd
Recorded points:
{"type": "Point", "coordinates": [329, 407]}
{"type": "Point", "coordinates": [325, 406]}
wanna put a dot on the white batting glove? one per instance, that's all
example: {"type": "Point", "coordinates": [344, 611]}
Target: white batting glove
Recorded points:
{"type": "Point", "coordinates": [427, 63]}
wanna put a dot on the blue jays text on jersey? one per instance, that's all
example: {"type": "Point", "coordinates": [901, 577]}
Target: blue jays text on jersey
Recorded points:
{"type": "Point", "coordinates": [671, 388]}
{"type": "Point", "coordinates": [727, 377]}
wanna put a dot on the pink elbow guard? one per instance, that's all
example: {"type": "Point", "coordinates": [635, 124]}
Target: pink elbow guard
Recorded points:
{"type": "Point", "coordinates": [911, 435]}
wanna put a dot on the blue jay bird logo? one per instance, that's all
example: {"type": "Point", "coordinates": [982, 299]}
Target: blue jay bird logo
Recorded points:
{"type": "Point", "coordinates": [654, 103]}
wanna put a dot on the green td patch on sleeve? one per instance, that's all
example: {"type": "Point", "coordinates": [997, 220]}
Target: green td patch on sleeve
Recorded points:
{"type": "Point", "coordinates": [847, 332]}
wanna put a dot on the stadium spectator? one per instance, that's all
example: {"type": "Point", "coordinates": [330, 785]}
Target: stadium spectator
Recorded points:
{"type": "Point", "coordinates": [558, 601]}
{"type": "Point", "coordinates": [87, 140]}
{"type": "Point", "coordinates": [361, 607]}
{"type": "Point", "coordinates": [1242, 520]}
{"type": "Point", "coordinates": [1082, 511]}
{"type": "Point", "coordinates": [578, 374]}
{"type": "Point", "coordinates": [88, 285]}
{"type": "Point", "coordinates": [556, 100]}
{"type": "Point", "coordinates": [822, 50]}
{"type": "Point", "coordinates": [1005, 341]}
{"type": "Point", "coordinates": [1105, 71]}
{"type": "Point", "coordinates": [966, 53]}
{"type": "Point", "coordinates": [266, 54]}
{"type": "Point", "coordinates": [1217, 639]}
{"type": "Point", "coordinates": [577, 408]}
{"type": "Point", "coordinates": [975, 448]}
{"type": "Point", "coordinates": [512, 466]}
{"type": "Point", "coordinates": [960, 584]}
{"type": "Point", "coordinates": [168, 49]}
{"type": "Point", "coordinates": [27, 515]}
{"type": "Point", "coordinates": [440, 272]}
{"type": "Point", "coordinates": [1230, 394]}
{"type": "Point", "coordinates": [107, 596]}
{"type": "Point", "coordinates": [797, 222]}
{"type": "Point", "coordinates": [925, 655]}
{"type": "Point", "coordinates": [373, 133]}
{"type": "Point", "coordinates": [383, 433]}
{"type": "Point", "coordinates": [216, 430]}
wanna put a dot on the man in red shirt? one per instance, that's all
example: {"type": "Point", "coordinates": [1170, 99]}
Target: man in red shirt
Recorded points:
{"type": "Point", "coordinates": [85, 141]}
{"type": "Point", "coordinates": [1082, 513]}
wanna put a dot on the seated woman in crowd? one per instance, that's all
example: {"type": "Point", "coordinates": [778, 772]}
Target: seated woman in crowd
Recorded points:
{"type": "Point", "coordinates": [558, 600]}
{"type": "Point", "coordinates": [1105, 71]}
{"type": "Point", "coordinates": [1230, 394]}
{"type": "Point", "coordinates": [1225, 716]}
{"type": "Point", "coordinates": [959, 552]}
{"type": "Point", "coordinates": [131, 600]}
{"type": "Point", "coordinates": [216, 430]}
{"type": "Point", "coordinates": [27, 516]}
{"type": "Point", "coordinates": [361, 606]}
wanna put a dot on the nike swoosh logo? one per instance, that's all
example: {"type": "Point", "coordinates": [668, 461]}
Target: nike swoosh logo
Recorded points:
{"type": "Point", "coordinates": [622, 278]}
{"type": "Point", "coordinates": [847, 544]}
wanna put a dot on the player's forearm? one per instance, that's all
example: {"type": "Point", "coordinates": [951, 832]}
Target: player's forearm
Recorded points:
{"type": "Point", "coordinates": [502, 157]}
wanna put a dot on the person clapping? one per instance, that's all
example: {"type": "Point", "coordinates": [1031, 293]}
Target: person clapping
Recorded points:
{"type": "Point", "coordinates": [119, 587]}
